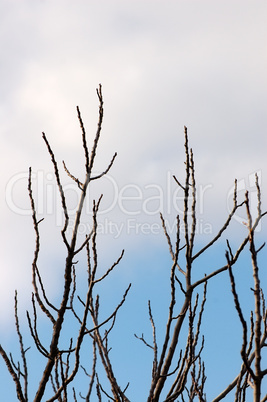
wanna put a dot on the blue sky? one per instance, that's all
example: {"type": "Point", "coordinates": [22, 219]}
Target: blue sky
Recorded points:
{"type": "Point", "coordinates": [163, 65]}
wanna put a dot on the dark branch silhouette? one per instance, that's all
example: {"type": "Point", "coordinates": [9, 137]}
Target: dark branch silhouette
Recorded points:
{"type": "Point", "coordinates": [178, 370]}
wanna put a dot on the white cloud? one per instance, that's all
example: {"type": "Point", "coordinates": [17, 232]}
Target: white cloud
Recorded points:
{"type": "Point", "coordinates": [162, 65]}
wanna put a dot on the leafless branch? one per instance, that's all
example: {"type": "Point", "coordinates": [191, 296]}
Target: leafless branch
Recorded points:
{"type": "Point", "coordinates": [36, 253]}
{"type": "Point", "coordinates": [169, 240]}
{"type": "Point", "coordinates": [224, 227]}
{"type": "Point", "coordinates": [141, 338]}
{"type": "Point", "coordinates": [22, 349]}
{"type": "Point", "coordinates": [61, 191]}
{"type": "Point", "coordinates": [178, 357]}
{"type": "Point", "coordinates": [155, 346]}
{"type": "Point", "coordinates": [110, 269]}
{"type": "Point", "coordinates": [34, 332]}
{"type": "Point", "coordinates": [253, 377]}
{"type": "Point", "coordinates": [241, 317]}
{"type": "Point", "coordinates": [72, 177]}
{"type": "Point", "coordinates": [107, 169]}
{"type": "Point", "coordinates": [177, 181]}
{"type": "Point", "coordinates": [85, 147]}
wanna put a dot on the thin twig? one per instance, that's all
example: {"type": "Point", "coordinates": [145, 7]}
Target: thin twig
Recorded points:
{"type": "Point", "coordinates": [241, 317]}
{"type": "Point", "coordinates": [169, 240]}
{"type": "Point", "coordinates": [85, 147]}
{"type": "Point", "coordinates": [22, 350]}
{"type": "Point", "coordinates": [61, 191]}
{"type": "Point", "coordinates": [71, 176]}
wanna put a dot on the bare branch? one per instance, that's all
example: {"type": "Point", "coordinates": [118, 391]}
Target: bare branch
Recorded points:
{"type": "Point", "coordinates": [61, 191]}
{"type": "Point", "coordinates": [93, 372]}
{"type": "Point", "coordinates": [22, 350]}
{"type": "Point", "coordinates": [114, 312]}
{"type": "Point", "coordinates": [141, 338]}
{"type": "Point", "coordinates": [169, 240]}
{"type": "Point", "coordinates": [257, 295]}
{"type": "Point", "coordinates": [100, 121]}
{"type": "Point", "coordinates": [231, 386]}
{"type": "Point", "coordinates": [87, 238]}
{"type": "Point", "coordinates": [85, 147]}
{"type": "Point", "coordinates": [179, 184]}
{"type": "Point", "coordinates": [36, 253]}
{"type": "Point", "coordinates": [107, 169]}
{"type": "Point", "coordinates": [241, 317]}
{"type": "Point", "coordinates": [110, 269]}
{"type": "Point", "coordinates": [72, 177]}
{"type": "Point", "coordinates": [224, 227]}
{"type": "Point", "coordinates": [193, 208]}
{"type": "Point", "coordinates": [13, 375]}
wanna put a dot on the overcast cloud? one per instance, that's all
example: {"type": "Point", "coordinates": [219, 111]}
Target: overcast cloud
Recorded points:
{"type": "Point", "coordinates": [163, 65]}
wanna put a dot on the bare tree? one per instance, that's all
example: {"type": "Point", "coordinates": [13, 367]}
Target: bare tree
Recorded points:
{"type": "Point", "coordinates": [62, 365]}
{"type": "Point", "coordinates": [171, 362]}
{"type": "Point", "coordinates": [178, 369]}
{"type": "Point", "coordinates": [258, 321]}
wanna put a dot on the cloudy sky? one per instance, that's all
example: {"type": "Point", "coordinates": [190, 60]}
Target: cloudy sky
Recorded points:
{"type": "Point", "coordinates": [162, 65]}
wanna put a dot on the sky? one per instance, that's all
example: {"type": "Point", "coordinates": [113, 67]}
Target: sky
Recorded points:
{"type": "Point", "coordinates": [163, 65]}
